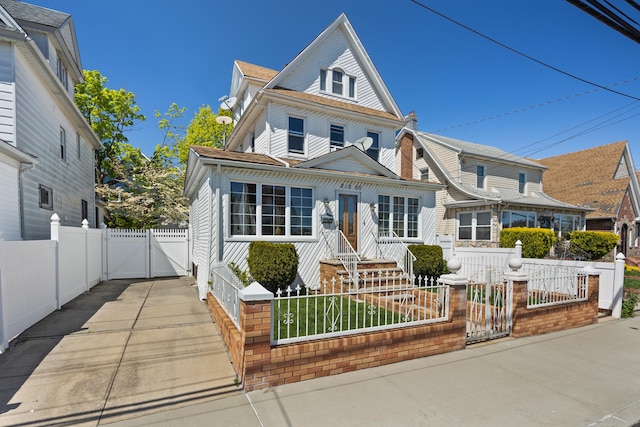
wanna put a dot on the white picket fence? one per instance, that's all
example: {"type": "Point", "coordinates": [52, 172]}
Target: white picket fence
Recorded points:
{"type": "Point", "coordinates": [38, 277]}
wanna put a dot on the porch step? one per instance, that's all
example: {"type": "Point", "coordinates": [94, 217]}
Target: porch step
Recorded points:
{"type": "Point", "coordinates": [633, 261]}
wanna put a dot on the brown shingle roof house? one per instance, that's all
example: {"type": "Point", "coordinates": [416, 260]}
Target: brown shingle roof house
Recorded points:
{"type": "Point", "coordinates": [603, 178]}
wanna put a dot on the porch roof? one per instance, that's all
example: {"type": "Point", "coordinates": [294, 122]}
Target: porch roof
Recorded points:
{"type": "Point", "coordinates": [505, 196]}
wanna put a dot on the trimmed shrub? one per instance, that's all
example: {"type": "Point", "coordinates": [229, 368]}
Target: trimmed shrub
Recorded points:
{"type": "Point", "coordinates": [536, 242]}
{"type": "Point", "coordinates": [595, 243]}
{"type": "Point", "coordinates": [273, 265]}
{"type": "Point", "coordinates": [629, 305]}
{"type": "Point", "coordinates": [429, 261]}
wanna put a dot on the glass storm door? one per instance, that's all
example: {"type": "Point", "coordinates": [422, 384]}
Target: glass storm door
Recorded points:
{"type": "Point", "coordinates": [348, 214]}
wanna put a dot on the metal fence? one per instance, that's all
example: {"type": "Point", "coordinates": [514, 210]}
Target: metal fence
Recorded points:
{"type": "Point", "coordinates": [380, 301]}
{"type": "Point", "coordinates": [225, 286]}
{"type": "Point", "coordinates": [554, 284]}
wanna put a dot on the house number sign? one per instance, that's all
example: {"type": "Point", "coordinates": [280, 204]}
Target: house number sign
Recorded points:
{"type": "Point", "coordinates": [350, 186]}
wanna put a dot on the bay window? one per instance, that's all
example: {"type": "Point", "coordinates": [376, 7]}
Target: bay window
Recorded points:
{"type": "Point", "coordinates": [518, 219]}
{"type": "Point", "coordinates": [270, 210]}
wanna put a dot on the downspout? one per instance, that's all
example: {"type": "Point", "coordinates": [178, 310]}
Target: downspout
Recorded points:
{"type": "Point", "coordinates": [220, 215]}
{"type": "Point", "coordinates": [24, 167]}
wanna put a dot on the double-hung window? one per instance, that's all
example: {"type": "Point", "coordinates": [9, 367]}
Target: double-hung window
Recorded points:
{"type": "Point", "coordinates": [399, 214]}
{"type": "Point", "coordinates": [270, 210]}
{"type": "Point", "coordinates": [522, 182]}
{"type": "Point", "coordinates": [374, 150]}
{"type": "Point", "coordinates": [63, 143]}
{"type": "Point", "coordinates": [337, 82]}
{"type": "Point", "coordinates": [336, 137]}
{"type": "Point", "coordinates": [481, 176]}
{"type": "Point", "coordinates": [474, 226]}
{"type": "Point", "coordinates": [296, 135]}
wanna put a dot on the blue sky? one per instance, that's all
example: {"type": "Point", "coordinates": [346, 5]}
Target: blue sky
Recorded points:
{"type": "Point", "coordinates": [459, 84]}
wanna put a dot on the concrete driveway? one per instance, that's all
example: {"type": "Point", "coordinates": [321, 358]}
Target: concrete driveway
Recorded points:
{"type": "Point", "coordinates": [123, 350]}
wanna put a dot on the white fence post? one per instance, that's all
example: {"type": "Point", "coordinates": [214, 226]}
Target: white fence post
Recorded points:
{"type": "Point", "coordinates": [55, 235]}
{"type": "Point", "coordinates": [618, 286]}
{"type": "Point", "coordinates": [105, 258]}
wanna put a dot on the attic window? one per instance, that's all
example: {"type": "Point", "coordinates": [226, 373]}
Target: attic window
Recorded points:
{"type": "Point", "coordinates": [337, 82]}
{"type": "Point", "coordinates": [419, 153]}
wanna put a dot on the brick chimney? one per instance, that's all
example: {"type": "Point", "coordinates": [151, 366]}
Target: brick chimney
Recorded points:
{"type": "Point", "coordinates": [406, 147]}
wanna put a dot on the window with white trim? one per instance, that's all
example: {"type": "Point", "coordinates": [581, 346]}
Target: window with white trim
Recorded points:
{"type": "Point", "coordinates": [400, 214]}
{"type": "Point", "coordinates": [296, 135]}
{"type": "Point", "coordinates": [270, 210]}
{"type": "Point", "coordinates": [46, 197]}
{"type": "Point", "coordinates": [337, 82]}
{"type": "Point", "coordinates": [61, 71]}
{"type": "Point", "coordinates": [518, 219]}
{"type": "Point", "coordinates": [522, 182]}
{"type": "Point", "coordinates": [336, 136]}
{"type": "Point", "coordinates": [474, 226]}
{"type": "Point", "coordinates": [374, 150]}
{"type": "Point", "coordinates": [481, 175]}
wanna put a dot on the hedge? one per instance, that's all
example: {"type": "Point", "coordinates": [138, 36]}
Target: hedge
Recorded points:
{"type": "Point", "coordinates": [273, 265]}
{"type": "Point", "coordinates": [595, 243]}
{"type": "Point", "coordinates": [429, 261]}
{"type": "Point", "coordinates": [536, 242]}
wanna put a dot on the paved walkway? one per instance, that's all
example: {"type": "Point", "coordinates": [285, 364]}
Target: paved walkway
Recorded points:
{"type": "Point", "coordinates": [164, 364]}
{"type": "Point", "coordinates": [122, 350]}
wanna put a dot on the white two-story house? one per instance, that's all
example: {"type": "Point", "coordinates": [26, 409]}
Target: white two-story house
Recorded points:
{"type": "Point", "coordinates": [311, 161]}
{"type": "Point", "coordinates": [50, 143]}
{"type": "Point", "coordinates": [487, 189]}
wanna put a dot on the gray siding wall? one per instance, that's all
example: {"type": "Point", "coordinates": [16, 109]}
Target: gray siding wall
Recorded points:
{"type": "Point", "coordinates": [7, 94]}
{"type": "Point", "coordinates": [38, 122]}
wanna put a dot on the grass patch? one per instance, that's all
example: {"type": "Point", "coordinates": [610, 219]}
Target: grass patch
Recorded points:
{"type": "Point", "coordinates": [305, 316]}
{"type": "Point", "coordinates": [632, 283]}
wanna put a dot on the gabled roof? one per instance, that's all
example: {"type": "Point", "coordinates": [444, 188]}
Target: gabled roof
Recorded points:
{"type": "Point", "coordinates": [352, 153]}
{"type": "Point", "coordinates": [482, 151]}
{"type": "Point", "coordinates": [256, 71]}
{"type": "Point", "coordinates": [342, 22]}
{"type": "Point", "coordinates": [597, 177]}
{"type": "Point", "coordinates": [26, 12]}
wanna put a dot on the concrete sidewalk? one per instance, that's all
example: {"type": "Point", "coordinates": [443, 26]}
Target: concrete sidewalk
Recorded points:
{"type": "Point", "coordinates": [582, 377]}
{"type": "Point", "coordinates": [122, 350]}
{"type": "Point", "coordinates": [148, 353]}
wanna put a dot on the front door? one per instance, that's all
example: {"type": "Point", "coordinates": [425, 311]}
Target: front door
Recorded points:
{"type": "Point", "coordinates": [348, 218]}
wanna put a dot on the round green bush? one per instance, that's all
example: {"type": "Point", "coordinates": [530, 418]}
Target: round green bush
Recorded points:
{"type": "Point", "coordinates": [429, 261]}
{"type": "Point", "coordinates": [595, 243]}
{"type": "Point", "coordinates": [273, 265]}
{"type": "Point", "coordinates": [536, 242]}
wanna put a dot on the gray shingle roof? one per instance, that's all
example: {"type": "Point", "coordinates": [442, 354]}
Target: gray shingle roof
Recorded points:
{"type": "Point", "coordinates": [484, 151]}
{"type": "Point", "coordinates": [35, 14]}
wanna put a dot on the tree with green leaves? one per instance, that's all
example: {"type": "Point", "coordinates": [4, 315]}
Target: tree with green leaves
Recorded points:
{"type": "Point", "coordinates": [203, 130]}
{"type": "Point", "coordinates": [110, 113]}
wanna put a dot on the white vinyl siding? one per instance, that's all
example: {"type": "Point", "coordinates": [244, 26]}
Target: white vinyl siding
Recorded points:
{"type": "Point", "coordinates": [335, 52]}
{"type": "Point", "coordinates": [7, 94]}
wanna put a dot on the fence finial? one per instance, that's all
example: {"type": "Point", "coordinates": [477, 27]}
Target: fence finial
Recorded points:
{"type": "Point", "coordinates": [454, 264]}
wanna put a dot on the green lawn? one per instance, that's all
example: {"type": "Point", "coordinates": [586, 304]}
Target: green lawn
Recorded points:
{"type": "Point", "coordinates": [633, 273]}
{"type": "Point", "coordinates": [306, 316]}
{"type": "Point", "coordinates": [632, 282]}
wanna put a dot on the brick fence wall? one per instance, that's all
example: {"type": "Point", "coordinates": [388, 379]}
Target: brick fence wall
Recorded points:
{"type": "Point", "coordinates": [261, 365]}
{"type": "Point", "coordinates": [542, 320]}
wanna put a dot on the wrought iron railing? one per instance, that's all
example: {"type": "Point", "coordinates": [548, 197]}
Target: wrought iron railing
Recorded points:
{"type": "Point", "coordinates": [390, 246]}
{"type": "Point", "coordinates": [225, 287]}
{"type": "Point", "coordinates": [382, 301]}
{"type": "Point", "coordinates": [338, 247]}
{"type": "Point", "coordinates": [554, 284]}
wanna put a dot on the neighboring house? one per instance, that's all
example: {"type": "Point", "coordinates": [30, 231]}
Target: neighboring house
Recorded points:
{"type": "Point", "coordinates": [603, 178]}
{"type": "Point", "coordinates": [311, 159]}
{"type": "Point", "coordinates": [487, 189]}
{"type": "Point", "coordinates": [39, 66]}
{"type": "Point", "coordinates": [13, 163]}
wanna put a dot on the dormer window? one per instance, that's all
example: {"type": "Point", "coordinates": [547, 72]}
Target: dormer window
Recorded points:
{"type": "Point", "coordinates": [522, 182]}
{"type": "Point", "coordinates": [337, 82]}
{"type": "Point", "coordinates": [62, 73]}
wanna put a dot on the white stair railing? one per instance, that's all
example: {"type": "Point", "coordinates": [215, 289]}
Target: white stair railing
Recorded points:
{"type": "Point", "coordinates": [338, 247]}
{"type": "Point", "coordinates": [390, 246]}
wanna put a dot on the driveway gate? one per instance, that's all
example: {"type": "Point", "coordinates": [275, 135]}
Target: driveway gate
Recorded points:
{"type": "Point", "coordinates": [489, 309]}
{"type": "Point", "coordinates": [146, 253]}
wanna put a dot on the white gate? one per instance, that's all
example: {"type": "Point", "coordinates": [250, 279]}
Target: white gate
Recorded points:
{"type": "Point", "coordinates": [489, 309]}
{"type": "Point", "coordinates": [146, 253]}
